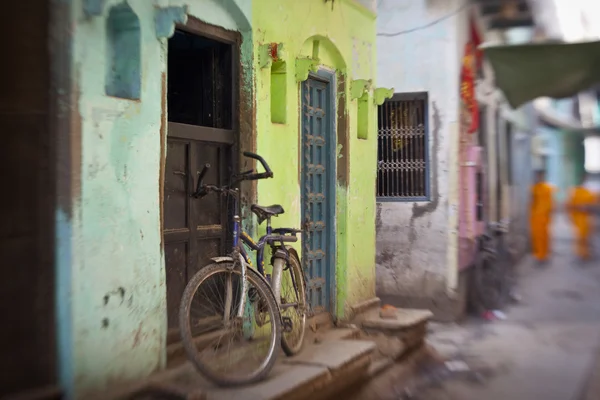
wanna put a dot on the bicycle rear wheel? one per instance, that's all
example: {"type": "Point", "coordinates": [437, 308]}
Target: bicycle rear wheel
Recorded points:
{"type": "Point", "coordinates": [226, 349]}
{"type": "Point", "coordinates": [293, 307]}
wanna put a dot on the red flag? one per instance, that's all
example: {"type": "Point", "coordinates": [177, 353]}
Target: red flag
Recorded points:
{"type": "Point", "coordinates": [471, 62]}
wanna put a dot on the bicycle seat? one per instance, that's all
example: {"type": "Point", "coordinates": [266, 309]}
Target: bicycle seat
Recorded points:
{"type": "Point", "coordinates": [264, 212]}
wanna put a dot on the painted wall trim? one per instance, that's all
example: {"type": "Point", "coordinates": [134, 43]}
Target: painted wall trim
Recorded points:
{"type": "Point", "coordinates": [269, 53]}
{"type": "Point", "coordinates": [304, 66]}
{"type": "Point", "coordinates": [359, 87]}
{"type": "Point", "coordinates": [165, 19]}
{"type": "Point", "coordinates": [381, 94]}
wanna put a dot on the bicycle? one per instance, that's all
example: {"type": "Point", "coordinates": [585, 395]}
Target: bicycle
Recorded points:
{"type": "Point", "coordinates": [252, 298]}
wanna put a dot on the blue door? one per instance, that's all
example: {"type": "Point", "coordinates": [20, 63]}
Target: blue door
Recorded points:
{"type": "Point", "coordinates": [318, 190]}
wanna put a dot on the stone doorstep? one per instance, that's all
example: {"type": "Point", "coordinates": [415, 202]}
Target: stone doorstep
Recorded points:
{"type": "Point", "coordinates": [393, 377]}
{"type": "Point", "coordinates": [365, 306]}
{"type": "Point", "coordinates": [331, 360]}
{"type": "Point", "coordinates": [319, 369]}
{"type": "Point", "coordinates": [405, 319]}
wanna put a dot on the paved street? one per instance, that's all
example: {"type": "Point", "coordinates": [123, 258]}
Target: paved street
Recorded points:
{"type": "Point", "coordinates": [546, 347]}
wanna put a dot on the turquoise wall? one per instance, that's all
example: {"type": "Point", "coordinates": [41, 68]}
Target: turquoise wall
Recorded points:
{"type": "Point", "coordinates": [112, 293]}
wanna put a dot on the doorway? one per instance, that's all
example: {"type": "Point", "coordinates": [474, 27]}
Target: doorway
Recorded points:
{"type": "Point", "coordinates": [318, 189]}
{"type": "Point", "coordinates": [202, 128]}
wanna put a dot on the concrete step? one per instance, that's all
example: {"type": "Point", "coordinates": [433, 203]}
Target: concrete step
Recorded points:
{"type": "Point", "coordinates": [391, 378]}
{"type": "Point", "coordinates": [318, 371]}
{"type": "Point", "coordinates": [402, 320]}
{"type": "Point", "coordinates": [333, 334]}
{"type": "Point", "coordinates": [332, 360]}
{"type": "Point", "coordinates": [315, 326]}
{"type": "Point", "coordinates": [396, 333]}
{"type": "Point", "coordinates": [365, 306]}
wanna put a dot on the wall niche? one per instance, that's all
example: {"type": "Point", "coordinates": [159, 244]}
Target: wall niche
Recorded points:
{"type": "Point", "coordinates": [123, 75]}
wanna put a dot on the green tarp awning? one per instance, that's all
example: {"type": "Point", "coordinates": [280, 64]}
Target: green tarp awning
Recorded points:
{"type": "Point", "coordinates": [558, 70]}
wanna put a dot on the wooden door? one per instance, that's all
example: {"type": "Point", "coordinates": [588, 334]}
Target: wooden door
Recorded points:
{"type": "Point", "coordinates": [318, 190]}
{"type": "Point", "coordinates": [201, 130]}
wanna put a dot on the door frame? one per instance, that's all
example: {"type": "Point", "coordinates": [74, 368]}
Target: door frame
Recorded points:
{"type": "Point", "coordinates": [186, 131]}
{"type": "Point", "coordinates": [329, 77]}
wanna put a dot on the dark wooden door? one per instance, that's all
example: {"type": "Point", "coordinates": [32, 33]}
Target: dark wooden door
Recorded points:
{"type": "Point", "coordinates": [201, 130]}
{"type": "Point", "coordinates": [318, 191]}
{"type": "Point", "coordinates": [194, 229]}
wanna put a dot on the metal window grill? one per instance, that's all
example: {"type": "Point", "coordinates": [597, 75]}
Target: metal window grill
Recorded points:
{"type": "Point", "coordinates": [402, 165]}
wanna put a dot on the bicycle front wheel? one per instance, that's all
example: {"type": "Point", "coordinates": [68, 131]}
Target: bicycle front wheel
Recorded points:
{"type": "Point", "coordinates": [227, 349]}
{"type": "Point", "coordinates": [293, 307]}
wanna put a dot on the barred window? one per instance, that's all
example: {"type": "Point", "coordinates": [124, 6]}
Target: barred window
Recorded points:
{"type": "Point", "coordinates": [402, 148]}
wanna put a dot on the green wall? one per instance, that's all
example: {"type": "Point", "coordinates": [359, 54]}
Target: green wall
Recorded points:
{"type": "Point", "coordinates": [346, 35]}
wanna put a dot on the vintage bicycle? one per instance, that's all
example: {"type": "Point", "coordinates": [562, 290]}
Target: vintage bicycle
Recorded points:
{"type": "Point", "coordinates": [255, 311]}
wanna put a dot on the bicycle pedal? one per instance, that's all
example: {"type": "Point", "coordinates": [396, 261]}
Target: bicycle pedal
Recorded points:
{"type": "Point", "coordinates": [288, 325]}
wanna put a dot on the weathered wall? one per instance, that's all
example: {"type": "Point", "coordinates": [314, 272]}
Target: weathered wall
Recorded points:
{"type": "Point", "coordinates": [112, 292]}
{"type": "Point", "coordinates": [412, 238]}
{"type": "Point", "coordinates": [346, 31]}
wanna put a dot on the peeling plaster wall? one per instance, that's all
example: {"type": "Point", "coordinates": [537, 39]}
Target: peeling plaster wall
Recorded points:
{"type": "Point", "coordinates": [112, 302]}
{"type": "Point", "coordinates": [412, 238]}
{"type": "Point", "coordinates": [347, 33]}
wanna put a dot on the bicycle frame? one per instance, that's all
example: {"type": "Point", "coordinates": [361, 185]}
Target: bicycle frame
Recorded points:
{"type": "Point", "coordinates": [239, 252]}
{"type": "Point", "coordinates": [271, 237]}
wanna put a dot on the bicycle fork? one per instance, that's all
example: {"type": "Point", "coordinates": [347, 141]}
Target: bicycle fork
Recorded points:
{"type": "Point", "coordinates": [280, 260]}
{"type": "Point", "coordinates": [229, 292]}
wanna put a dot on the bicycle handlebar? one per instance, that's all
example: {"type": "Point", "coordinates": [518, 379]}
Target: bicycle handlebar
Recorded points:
{"type": "Point", "coordinates": [202, 189]}
{"type": "Point", "coordinates": [267, 174]}
{"type": "Point", "coordinates": [201, 177]}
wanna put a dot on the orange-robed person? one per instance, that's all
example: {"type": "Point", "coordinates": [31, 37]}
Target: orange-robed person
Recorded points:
{"type": "Point", "coordinates": [540, 214]}
{"type": "Point", "coordinates": [580, 208]}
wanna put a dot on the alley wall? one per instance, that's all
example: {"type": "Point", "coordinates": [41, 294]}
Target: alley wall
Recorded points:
{"type": "Point", "coordinates": [412, 237]}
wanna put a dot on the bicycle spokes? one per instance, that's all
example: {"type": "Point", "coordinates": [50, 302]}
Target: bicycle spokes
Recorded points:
{"type": "Point", "coordinates": [230, 344]}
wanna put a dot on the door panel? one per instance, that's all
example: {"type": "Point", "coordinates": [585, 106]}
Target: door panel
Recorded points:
{"type": "Point", "coordinates": [195, 229]}
{"type": "Point", "coordinates": [176, 254]}
{"type": "Point", "coordinates": [176, 185]}
{"type": "Point", "coordinates": [318, 192]}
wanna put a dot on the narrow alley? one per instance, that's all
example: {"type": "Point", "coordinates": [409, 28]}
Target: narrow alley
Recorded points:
{"type": "Point", "coordinates": [299, 200]}
{"type": "Point", "coordinates": [546, 348]}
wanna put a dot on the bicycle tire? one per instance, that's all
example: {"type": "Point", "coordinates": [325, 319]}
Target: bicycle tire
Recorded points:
{"type": "Point", "coordinates": [295, 268]}
{"type": "Point", "coordinates": [186, 330]}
